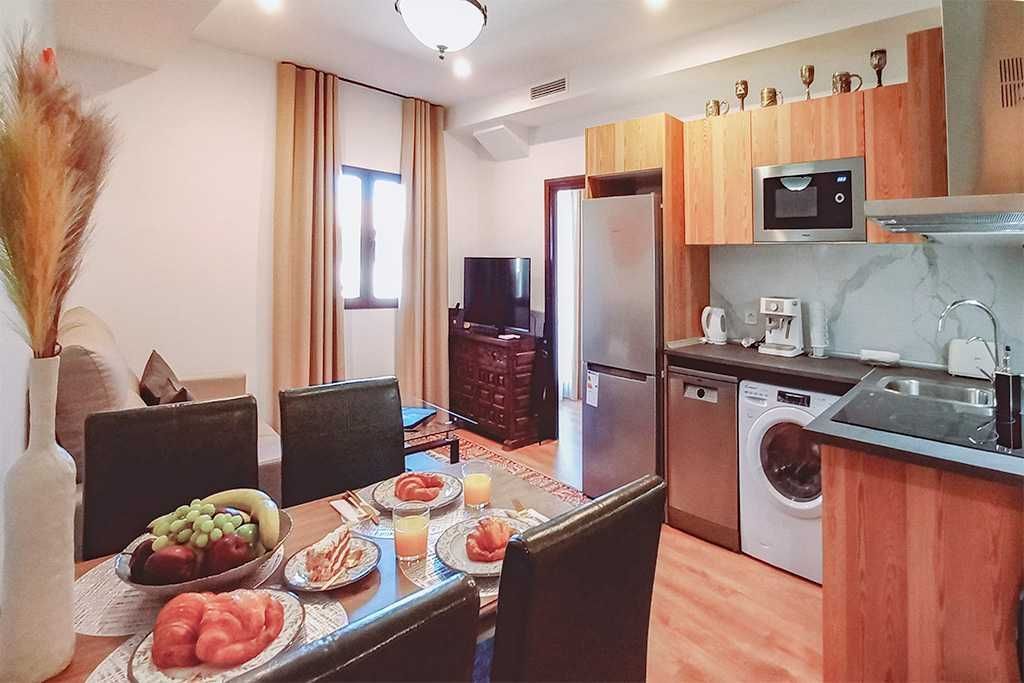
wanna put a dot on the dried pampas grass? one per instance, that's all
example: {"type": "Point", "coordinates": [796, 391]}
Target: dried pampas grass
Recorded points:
{"type": "Point", "coordinates": [53, 159]}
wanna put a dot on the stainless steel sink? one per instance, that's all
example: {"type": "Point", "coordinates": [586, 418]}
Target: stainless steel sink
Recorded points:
{"type": "Point", "coordinates": [975, 397]}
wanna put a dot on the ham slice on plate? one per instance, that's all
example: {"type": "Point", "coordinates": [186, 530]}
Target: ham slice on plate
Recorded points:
{"type": "Point", "coordinates": [326, 558]}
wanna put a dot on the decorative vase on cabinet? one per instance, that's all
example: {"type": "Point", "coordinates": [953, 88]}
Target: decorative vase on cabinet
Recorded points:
{"type": "Point", "coordinates": [39, 566]}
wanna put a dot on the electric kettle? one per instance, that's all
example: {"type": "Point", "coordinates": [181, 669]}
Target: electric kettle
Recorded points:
{"type": "Point", "coordinates": [713, 321]}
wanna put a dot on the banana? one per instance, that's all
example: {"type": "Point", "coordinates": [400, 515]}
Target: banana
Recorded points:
{"type": "Point", "coordinates": [260, 506]}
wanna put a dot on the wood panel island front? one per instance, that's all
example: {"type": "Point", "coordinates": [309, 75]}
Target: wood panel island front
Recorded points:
{"type": "Point", "coordinates": [923, 545]}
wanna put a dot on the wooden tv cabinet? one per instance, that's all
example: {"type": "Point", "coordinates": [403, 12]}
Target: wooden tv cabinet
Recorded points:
{"type": "Point", "coordinates": [490, 382]}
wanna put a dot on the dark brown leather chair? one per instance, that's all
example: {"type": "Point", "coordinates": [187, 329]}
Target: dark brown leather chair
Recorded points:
{"type": "Point", "coordinates": [341, 436]}
{"type": "Point", "coordinates": [575, 595]}
{"type": "Point", "coordinates": [428, 636]}
{"type": "Point", "coordinates": [145, 462]}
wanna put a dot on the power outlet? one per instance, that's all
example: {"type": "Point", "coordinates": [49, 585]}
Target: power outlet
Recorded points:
{"type": "Point", "coordinates": [750, 318]}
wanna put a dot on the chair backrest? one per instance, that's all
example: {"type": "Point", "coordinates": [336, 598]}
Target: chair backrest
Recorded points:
{"type": "Point", "coordinates": [340, 436]}
{"type": "Point", "coordinates": [575, 595]}
{"type": "Point", "coordinates": [428, 636]}
{"type": "Point", "coordinates": [145, 462]}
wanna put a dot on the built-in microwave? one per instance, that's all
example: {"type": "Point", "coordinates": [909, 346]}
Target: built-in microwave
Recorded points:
{"type": "Point", "coordinates": [820, 201]}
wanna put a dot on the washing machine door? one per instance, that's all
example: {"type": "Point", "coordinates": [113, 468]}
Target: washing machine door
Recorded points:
{"type": "Point", "coordinates": [787, 462]}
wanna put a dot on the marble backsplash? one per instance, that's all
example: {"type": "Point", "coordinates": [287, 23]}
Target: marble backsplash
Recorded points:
{"type": "Point", "coordinates": [885, 297]}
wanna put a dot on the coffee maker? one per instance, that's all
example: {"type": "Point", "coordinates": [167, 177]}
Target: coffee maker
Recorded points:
{"type": "Point", "coordinates": [784, 329]}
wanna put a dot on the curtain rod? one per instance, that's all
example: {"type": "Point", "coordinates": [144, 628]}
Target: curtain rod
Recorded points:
{"type": "Point", "coordinates": [359, 83]}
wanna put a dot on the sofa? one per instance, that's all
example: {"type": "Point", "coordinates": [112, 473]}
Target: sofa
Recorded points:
{"type": "Point", "coordinates": [95, 377]}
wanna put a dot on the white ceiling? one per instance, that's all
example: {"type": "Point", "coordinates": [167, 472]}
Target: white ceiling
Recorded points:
{"type": "Point", "coordinates": [524, 42]}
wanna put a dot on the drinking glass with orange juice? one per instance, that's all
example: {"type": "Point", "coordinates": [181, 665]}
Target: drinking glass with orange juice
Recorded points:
{"type": "Point", "coordinates": [412, 524]}
{"type": "Point", "coordinates": [476, 484]}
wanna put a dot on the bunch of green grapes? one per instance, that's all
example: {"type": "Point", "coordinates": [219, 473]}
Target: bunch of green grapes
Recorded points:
{"type": "Point", "coordinates": [199, 524]}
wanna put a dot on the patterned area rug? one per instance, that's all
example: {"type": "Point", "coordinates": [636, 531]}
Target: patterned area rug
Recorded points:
{"type": "Point", "coordinates": [471, 450]}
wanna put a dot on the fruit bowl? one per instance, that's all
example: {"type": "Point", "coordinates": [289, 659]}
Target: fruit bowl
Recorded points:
{"type": "Point", "coordinates": [214, 582]}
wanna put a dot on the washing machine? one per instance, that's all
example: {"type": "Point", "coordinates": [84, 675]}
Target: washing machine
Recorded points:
{"type": "Point", "coordinates": [780, 477]}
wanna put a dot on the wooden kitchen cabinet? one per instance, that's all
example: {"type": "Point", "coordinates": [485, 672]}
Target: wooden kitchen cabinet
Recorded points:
{"type": "Point", "coordinates": [623, 146]}
{"type": "Point", "coordinates": [905, 133]}
{"type": "Point", "coordinates": [809, 130]}
{"type": "Point", "coordinates": [922, 569]}
{"type": "Point", "coordinates": [718, 180]}
{"type": "Point", "coordinates": [646, 155]}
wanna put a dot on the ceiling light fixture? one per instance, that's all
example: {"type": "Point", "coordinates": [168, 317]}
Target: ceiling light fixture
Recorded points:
{"type": "Point", "coordinates": [656, 5]}
{"type": "Point", "coordinates": [269, 6]}
{"type": "Point", "coordinates": [462, 68]}
{"type": "Point", "coordinates": [443, 25]}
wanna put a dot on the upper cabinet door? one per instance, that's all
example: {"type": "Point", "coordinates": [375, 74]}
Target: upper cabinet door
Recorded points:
{"type": "Point", "coordinates": [809, 130]}
{"type": "Point", "coordinates": [905, 132]}
{"type": "Point", "coordinates": [719, 184]}
{"type": "Point", "coordinates": [634, 145]}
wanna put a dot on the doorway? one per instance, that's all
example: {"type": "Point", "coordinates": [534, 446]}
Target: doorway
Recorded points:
{"type": "Point", "coordinates": [562, 222]}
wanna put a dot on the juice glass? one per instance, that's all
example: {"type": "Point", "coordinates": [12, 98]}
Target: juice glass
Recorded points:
{"type": "Point", "coordinates": [412, 522]}
{"type": "Point", "coordinates": [476, 484]}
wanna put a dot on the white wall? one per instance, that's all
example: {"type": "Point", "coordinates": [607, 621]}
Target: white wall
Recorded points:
{"type": "Point", "coordinates": [181, 260]}
{"type": "Point", "coordinates": [14, 354]}
{"type": "Point", "coordinates": [464, 226]}
{"type": "Point", "coordinates": [497, 208]}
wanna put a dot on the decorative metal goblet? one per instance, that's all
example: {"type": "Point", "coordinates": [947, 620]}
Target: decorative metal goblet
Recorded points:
{"type": "Point", "coordinates": [807, 77]}
{"type": "Point", "coordinates": [878, 62]}
{"type": "Point", "coordinates": [742, 90]}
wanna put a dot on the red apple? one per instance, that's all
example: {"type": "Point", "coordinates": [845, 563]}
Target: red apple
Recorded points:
{"type": "Point", "coordinates": [137, 564]}
{"type": "Point", "coordinates": [171, 564]}
{"type": "Point", "coordinates": [227, 552]}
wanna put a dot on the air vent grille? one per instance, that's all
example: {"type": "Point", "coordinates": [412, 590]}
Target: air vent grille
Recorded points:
{"type": "Point", "coordinates": [550, 88]}
{"type": "Point", "coordinates": [1011, 81]}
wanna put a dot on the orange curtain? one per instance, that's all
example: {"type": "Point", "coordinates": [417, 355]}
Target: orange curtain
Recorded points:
{"type": "Point", "coordinates": [421, 342]}
{"type": "Point", "coordinates": [308, 346]}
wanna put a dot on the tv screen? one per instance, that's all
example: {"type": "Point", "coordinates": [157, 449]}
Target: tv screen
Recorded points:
{"type": "Point", "coordinates": [497, 292]}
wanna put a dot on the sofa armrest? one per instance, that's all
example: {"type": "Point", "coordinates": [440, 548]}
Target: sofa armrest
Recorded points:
{"type": "Point", "coordinates": [216, 386]}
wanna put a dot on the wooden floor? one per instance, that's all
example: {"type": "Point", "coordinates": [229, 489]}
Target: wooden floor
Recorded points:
{"type": "Point", "coordinates": [716, 615]}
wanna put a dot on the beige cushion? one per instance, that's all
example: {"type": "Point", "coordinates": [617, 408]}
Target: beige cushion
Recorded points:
{"type": "Point", "coordinates": [94, 377]}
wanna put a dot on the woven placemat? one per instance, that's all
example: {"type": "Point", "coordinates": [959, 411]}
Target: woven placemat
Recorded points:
{"type": "Point", "coordinates": [431, 571]}
{"type": "Point", "coordinates": [324, 615]}
{"type": "Point", "coordinates": [107, 606]}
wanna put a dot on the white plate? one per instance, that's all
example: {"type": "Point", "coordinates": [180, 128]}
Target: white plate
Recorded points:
{"type": "Point", "coordinates": [142, 670]}
{"type": "Point", "coordinates": [384, 492]}
{"type": "Point", "coordinates": [215, 583]}
{"type": "Point", "coordinates": [295, 570]}
{"type": "Point", "coordinates": [451, 546]}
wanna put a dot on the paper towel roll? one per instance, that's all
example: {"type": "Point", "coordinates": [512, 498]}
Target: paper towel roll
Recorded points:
{"type": "Point", "coordinates": [819, 328]}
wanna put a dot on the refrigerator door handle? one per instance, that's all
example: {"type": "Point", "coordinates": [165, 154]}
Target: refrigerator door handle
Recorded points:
{"type": "Point", "coordinates": [617, 372]}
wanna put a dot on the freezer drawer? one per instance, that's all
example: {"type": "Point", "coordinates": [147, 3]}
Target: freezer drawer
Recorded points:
{"type": "Point", "coordinates": [702, 456]}
{"type": "Point", "coordinates": [619, 429]}
{"type": "Point", "coordinates": [619, 282]}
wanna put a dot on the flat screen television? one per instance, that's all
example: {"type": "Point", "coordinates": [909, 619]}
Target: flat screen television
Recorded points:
{"type": "Point", "coordinates": [496, 292]}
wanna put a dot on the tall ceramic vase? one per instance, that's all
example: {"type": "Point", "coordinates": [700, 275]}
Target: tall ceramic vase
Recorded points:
{"type": "Point", "coordinates": [39, 557]}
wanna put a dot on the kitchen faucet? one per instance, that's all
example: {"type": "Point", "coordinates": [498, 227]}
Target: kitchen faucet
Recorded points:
{"type": "Point", "coordinates": [1001, 364]}
{"type": "Point", "coordinates": [1007, 384]}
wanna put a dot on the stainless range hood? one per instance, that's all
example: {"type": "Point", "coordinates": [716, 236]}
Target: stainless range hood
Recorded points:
{"type": "Point", "coordinates": [983, 53]}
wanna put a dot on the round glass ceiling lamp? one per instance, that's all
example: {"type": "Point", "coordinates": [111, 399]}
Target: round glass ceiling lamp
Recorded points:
{"type": "Point", "coordinates": [443, 25]}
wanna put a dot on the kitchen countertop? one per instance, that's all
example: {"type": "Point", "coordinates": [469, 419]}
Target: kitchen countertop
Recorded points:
{"type": "Point", "coordinates": [842, 372]}
{"type": "Point", "coordinates": [850, 379]}
{"type": "Point", "coordinates": [926, 451]}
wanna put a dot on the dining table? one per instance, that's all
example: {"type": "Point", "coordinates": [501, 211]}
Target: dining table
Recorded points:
{"type": "Point", "coordinates": [384, 586]}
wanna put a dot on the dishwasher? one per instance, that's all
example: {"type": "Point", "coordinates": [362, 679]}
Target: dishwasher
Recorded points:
{"type": "Point", "coordinates": [702, 457]}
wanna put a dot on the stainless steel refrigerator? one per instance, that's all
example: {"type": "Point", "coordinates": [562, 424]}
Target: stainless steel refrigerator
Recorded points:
{"type": "Point", "coordinates": [621, 325]}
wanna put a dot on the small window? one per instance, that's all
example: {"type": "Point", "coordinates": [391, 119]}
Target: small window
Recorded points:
{"type": "Point", "coordinates": [372, 219]}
